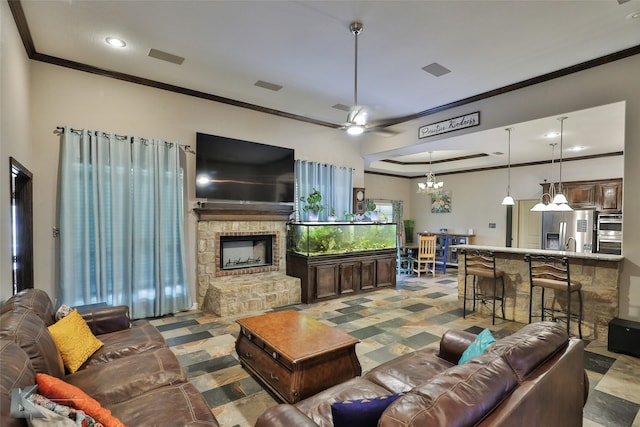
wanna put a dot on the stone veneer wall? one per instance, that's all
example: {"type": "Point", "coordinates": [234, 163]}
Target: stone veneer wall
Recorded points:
{"type": "Point", "coordinates": [599, 287]}
{"type": "Point", "coordinates": [207, 251]}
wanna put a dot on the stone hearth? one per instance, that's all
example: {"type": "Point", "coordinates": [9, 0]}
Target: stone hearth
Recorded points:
{"type": "Point", "coordinates": [231, 295]}
{"type": "Point", "coordinates": [236, 291]}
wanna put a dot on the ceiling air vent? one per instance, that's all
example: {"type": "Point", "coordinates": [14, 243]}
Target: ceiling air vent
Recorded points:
{"type": "Point", "coordinates": [164, 56]}
{"type": "Point", "coordinates": [266, 85]}
{"type": "Point", "coordinates": [341, 107]}
{"type": "Point", "coordinates": [436, 69]}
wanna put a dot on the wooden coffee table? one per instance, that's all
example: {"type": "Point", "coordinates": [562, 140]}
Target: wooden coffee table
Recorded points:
{"type": "Point", "coordinates": [295, 355]}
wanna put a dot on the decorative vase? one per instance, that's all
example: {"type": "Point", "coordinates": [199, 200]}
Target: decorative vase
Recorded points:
{"type": "Point", "coordinates": [408, 234]}
{"type": "Point", "coordinates": [312, 216]}
{"type": "Point", "coordinates": [331, 218]}
{"type": "Point", "coordinates": [408, 230]}
{"type": "Point", "coordinates": [373, 215]}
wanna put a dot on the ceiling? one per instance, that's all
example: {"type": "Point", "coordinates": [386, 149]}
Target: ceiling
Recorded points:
{"type": "Point", "coordinates": [306, 48]}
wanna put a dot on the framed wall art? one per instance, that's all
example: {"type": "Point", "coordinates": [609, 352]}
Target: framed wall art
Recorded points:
{"type": "Point", "coordinates": [441, 201]}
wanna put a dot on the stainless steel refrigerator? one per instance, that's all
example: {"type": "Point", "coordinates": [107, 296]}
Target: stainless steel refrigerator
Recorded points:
{"type": "Point", "coordinates": [571, 231]}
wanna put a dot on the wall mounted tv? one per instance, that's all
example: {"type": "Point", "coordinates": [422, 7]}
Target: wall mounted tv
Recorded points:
{"type": "Point", "coordinates": [230, 169]}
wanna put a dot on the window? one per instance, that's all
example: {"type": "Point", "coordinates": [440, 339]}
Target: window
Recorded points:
{"type": "Point", "coordinates": [385, 210]}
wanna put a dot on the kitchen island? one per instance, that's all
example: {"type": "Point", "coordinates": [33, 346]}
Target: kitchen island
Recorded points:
{"type": "Point", "coordinates": [598, 273]}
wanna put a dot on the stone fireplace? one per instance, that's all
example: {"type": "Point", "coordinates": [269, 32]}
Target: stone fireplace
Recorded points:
{"type": "Point", "coordinates": [246, 252]}
{"type": "Point", "coordinates": [241, 260]}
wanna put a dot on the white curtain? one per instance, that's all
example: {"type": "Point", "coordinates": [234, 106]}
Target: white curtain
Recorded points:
{"type": "Point", "coordinates": [121, 217]}
{"type": "Point", "coordinates": [335, 183]}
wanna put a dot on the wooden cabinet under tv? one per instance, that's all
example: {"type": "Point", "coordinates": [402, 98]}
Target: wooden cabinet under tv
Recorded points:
{"type": "Point", "coordinates": [332, 276]}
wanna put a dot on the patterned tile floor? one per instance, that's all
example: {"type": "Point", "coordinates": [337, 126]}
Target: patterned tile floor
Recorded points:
{"type": "Point", "coordinates": [388, 322]}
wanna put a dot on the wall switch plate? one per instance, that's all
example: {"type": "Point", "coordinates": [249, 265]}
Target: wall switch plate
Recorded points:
{"type": "Point", "coordinates": [492, 225]}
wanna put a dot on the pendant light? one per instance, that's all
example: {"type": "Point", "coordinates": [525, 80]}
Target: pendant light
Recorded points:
{"type": "Point", "coordinates": [541, 206]}
{"type": "Point", "coordinates": [508, 200]}
{"type": "Point", "coordinates": [430, 184]}
{"type": "Point", "coordinates": [559, 199]}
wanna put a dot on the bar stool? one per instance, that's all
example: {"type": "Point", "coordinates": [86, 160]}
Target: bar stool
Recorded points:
{"type": "Point", "coordinates": [482, 264]}
{"type": "Point", "coordinates": [551, 272]}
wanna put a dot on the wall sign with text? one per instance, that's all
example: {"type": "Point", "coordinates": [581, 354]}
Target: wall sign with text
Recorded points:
{"type": "Point", "coordinates": [449, 125]}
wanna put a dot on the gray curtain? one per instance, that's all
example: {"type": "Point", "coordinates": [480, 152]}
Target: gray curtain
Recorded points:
{"type": "Point", "coordinates": [121, 214]}
{"type": "Point", "coordinates": [398, 213]}
{"type": "Point", "coordinates": [335, 183]}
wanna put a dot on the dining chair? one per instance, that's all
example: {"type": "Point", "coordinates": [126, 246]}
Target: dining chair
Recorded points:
{"type": "Point", "coordinates": [403, 261]}
{"type": "Point", "coordinates": [425, 260]}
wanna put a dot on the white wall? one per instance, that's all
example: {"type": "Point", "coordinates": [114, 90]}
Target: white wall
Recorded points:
{"type": "Point", "coordinates": [15, 140]}
{"type": "Point", "coordinates": [388, 188]}
{"type": "Point", "coordinates": [61, 96]}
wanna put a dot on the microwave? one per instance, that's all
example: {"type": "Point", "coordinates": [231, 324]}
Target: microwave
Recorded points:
{"type": "Point", "coordinates": [609, 224]}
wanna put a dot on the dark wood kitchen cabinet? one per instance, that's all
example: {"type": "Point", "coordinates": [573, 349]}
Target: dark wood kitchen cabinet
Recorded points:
{"type": "Point", "coordinates": [581, 196]}
{"type": "Point", "coordinates": [602, 195]}
{"type": "Point", "coordinates": [610, 196]}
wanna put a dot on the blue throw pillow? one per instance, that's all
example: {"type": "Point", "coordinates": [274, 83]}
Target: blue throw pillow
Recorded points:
{"type": "Point", "coordinates": [362, 412]}
{"type": "Point", "coordinates": [476, 348]}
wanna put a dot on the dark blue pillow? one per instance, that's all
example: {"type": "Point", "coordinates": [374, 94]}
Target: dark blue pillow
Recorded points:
{"type": "Point", "coordinates": [362, 412]}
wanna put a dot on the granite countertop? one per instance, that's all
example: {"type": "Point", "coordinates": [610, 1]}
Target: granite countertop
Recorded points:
{"type": "Point", "coordinates": [524, 251]}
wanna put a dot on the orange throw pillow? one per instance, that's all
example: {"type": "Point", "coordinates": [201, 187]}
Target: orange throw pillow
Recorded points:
{"type": "Point", "coordinates": [67, 394]}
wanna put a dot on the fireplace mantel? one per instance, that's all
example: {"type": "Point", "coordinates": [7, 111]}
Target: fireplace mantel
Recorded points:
{"type": "Point", "coordinates": [243, 212]}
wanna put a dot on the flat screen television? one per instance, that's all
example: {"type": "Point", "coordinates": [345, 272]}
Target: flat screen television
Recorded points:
{"type": "Point", "coordinates": [230, 169]}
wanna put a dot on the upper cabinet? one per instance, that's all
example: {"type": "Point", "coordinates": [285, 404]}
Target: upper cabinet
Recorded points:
{"type": "Point", "coordinates": [602, 195]}
{"type": "Point", "coordinates": [581, 196]}
{"type": "Point", "coordinates": [610, 196]}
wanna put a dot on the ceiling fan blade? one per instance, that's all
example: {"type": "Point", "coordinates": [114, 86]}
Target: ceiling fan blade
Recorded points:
{"type": "Point", "coordinates": [383, 131]}
{"type": "Point", "coordinates": [357, 115]}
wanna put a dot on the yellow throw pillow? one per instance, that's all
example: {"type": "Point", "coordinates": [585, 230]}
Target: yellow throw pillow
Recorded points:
{"type": "Point", "coordinates": [74, 340]}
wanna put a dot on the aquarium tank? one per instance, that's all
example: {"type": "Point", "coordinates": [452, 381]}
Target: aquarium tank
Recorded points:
{"type": "Point", "coordinates": [314, 239]}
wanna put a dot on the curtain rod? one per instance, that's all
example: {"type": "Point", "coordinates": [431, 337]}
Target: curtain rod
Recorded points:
{"type": "Point", "coordinates": [186, 148]}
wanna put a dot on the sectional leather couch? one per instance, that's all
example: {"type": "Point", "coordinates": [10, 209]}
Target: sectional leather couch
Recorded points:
{"type": "Point", "coordinates": [134, 374]}
{"type": "Point", "coordinates": [534, 377]}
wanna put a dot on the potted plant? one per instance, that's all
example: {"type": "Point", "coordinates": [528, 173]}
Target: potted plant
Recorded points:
{"type": "Point", "coordinates": [408, 230]}
{"type": "Point", "coordinates": [313, 206]}
{"type": "Point", "coordinates": [371, 209]}
{"type": "Point", "coordinates": [332, 215]}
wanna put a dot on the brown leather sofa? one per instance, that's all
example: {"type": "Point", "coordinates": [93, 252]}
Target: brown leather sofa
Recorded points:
{"type": "Point", "coordinates": [134, 374]}
{"type": "Point", "coordinates": [534, 377]}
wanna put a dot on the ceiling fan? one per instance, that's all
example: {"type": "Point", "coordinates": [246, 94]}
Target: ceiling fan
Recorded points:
{"type": "Point", "coordinates": [357, 123]}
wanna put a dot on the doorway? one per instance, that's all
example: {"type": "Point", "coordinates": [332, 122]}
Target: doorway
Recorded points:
{"type": "Point", "coordinates": [21, 226]}
{"type": "Point", "coordinates": [526, 227]}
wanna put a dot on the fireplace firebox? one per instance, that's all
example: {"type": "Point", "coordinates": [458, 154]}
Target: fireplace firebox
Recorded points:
{"type": "Point", "coordinates": [248, 251]}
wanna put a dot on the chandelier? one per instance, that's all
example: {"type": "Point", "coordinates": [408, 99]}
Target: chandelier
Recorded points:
{"type": "Point", "coordinates": [430, 184]}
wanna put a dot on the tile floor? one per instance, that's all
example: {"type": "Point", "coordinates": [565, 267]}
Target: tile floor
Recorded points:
{"type": "Point", "coordinates": [388, 322]}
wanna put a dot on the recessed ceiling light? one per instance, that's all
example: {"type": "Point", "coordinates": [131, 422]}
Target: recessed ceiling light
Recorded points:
{"type": "Point", "coordinates": [115, 42]}
{"type": "Point", "coordinates": [577, 148]}
{"type": "Point", "coordinates": [552, 135]}
{"type": "Point", "coordinates": [634, 15]}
